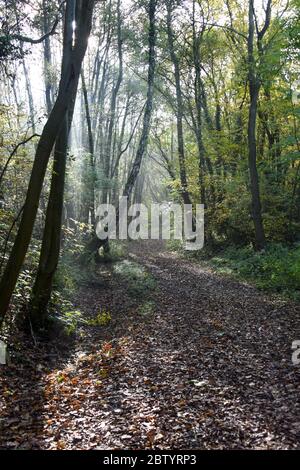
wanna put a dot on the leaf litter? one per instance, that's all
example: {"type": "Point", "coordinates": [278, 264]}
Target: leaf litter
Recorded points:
{"type": "Point", "coordinates": [208, 368]}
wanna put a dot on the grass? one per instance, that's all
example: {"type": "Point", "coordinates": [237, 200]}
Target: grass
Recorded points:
{"type": "Point", "coordinates": [147, 308]}
{"type": "Point", "coordinates": [139, 281]}
{"type": "Point", "coordinates": [117, 251]}
{"type": "Point", "coordinates": [275, 270]}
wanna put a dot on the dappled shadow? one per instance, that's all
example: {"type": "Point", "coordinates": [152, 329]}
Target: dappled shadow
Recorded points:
{"type": "Point", "coordinates": [209, 366]}
{"type": "Point", "coordinates": [239, 341]}
{"type": "Point", "coordinates": [223, 334]}
{"type": "Point", "coordinates": [23, 395]}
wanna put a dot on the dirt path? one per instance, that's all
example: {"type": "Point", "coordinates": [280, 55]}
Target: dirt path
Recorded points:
{"type": "Point", "coordinates": [198, 361]}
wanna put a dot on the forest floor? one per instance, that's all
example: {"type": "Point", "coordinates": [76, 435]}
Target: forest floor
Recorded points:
{"type": "Point", "coordinates": [194, 361]}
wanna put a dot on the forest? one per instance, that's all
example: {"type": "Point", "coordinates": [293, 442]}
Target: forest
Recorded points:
{"type": "Point", "coordinates": [139, 343]}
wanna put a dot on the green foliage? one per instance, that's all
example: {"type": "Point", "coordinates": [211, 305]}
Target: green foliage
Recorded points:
{"type": "Point", "coordinates": [147, 308]}
{"type": "Point", "coordinates": [23, 288]}
{"type": "Point", "coordinates": [103, 318]}
{"type": "Point", "coordinates": [26, 278]}
{"type": "Point", "coordinates": [70, 273]}
{"type": "Point", "coordinates": [70, 321]}
{"type": "Point", "coordinates": [174, 245]}
{"type": "Point", "coordinates": [67, 276]}
{"type": "Point", "coordinates": [276, 270]}
{"type": "Point", "coordinates": [139, 281]}
{"type": "Point", "coordinates": [230, 218]}
{"type": "Point", "coordinates": [6, 218]}
{"type": "Point", "coordinates": [117, 251]}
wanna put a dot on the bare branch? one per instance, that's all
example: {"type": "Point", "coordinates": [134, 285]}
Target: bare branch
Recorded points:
{"type": "Point", "coordinates": [14, 151]}
{"type": "Point", "coordinates": [20, 37]}
{"type": "Point", "coordinates": [129, 141]}
{"type": "Point", "coordinates": [228, 28]}
{"type": "Point", "coordinates": [263, 31]}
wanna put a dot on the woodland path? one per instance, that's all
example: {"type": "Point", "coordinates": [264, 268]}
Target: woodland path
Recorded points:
{"type": "Point", "coordinates": [206, 363]}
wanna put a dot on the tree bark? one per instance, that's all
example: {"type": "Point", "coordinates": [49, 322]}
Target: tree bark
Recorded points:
{"type": "Point", "coordinates": [49, 256]}
{"type": "Point", "coordinates": [107, 157]}
{"type": "Point", "coordinates": [198, 102]}
{"type": "Point", "coordinates": [149, 102]}
{"type": "Point", "coordinates": [254, 88]}
{"type": "Point", "coordinates": [90, 187]}
{"type": "Point", "coordinates": [67, 89]}
{"type": "Point", "coordinates": [179, 109]}
{"type": "Point", "coordinates": [47, 58]}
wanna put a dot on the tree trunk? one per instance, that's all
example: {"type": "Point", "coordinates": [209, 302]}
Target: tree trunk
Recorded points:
{"type": "Point", "coordinates": [67, 89]}
{"type": "Point", "coordinates": [254, 87]}
{"type": "Point", "coordinates": [29, 95]}
{"type": "Point", "coordinates": [198, 102]}
{"type": "Point", "coordinates": [149, 102]}
{"type": "Point", "coordinates": [115, 166]}
{"type": "Point", "coordinates": [47, 59]}
{"type": "Point", "coordinates": [179, 109]}
{"type": "Point", "coordinates": [90, 187]}
{"type": "Point", "coordinates": [108, 147]}
{"type": "Point", "coordinates": [49, 256]}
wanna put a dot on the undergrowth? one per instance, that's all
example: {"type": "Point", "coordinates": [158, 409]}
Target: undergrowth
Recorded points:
{"type": "Point", "coordinates": [139, 280]}
{"type": "Point", "coordinates": [277, 269]}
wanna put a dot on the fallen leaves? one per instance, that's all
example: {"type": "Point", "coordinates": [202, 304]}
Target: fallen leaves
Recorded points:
{"type": "Point", "coordinates": [210, 368]}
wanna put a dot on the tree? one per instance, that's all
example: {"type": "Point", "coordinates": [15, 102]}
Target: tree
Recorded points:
{"type": "Point", "coordinates": [149, 102]}
{"type": "Point", "coordinates": [179, 106]}
{"type": "Point", "coordinates": [67, 89]}
{"type": "Point", "coordinates": [198, 101]}
{"type": "Point", "coordinates": [107, 157]}
{"type": "Point", "coordinates": [254, 88]}
{"type": "Point", "coordinates": [49, 255]}
{"type": "Point", "coordinates": [90, 170]}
